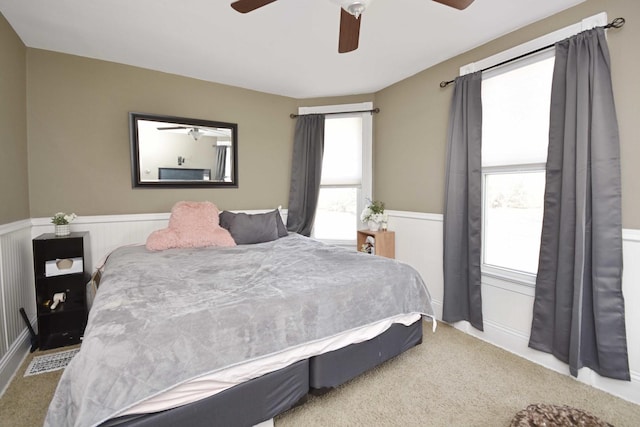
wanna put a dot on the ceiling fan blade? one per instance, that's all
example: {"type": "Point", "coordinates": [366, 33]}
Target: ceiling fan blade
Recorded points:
{"type": "Point", "coordinates": [171, 127]}
{"type": "Point", "coordinates": [349, 32]}
{"type": "Point", "coordinates": [457, 4]}
{"type": "Point", "coordinates": [244, 6]}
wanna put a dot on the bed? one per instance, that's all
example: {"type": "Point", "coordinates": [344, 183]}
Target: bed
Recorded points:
{"type": "Point", "coordinates": [234, 335]}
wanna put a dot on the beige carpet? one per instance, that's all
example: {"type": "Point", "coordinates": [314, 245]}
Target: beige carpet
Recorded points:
{"type": "Point", "coordinates": [25, 402]}
{"type": "Point", "coordinates": [452, 379]}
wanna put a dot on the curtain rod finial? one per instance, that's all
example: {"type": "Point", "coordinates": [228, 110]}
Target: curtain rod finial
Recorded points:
{"type": "Point", "coordinates": [616, 23]}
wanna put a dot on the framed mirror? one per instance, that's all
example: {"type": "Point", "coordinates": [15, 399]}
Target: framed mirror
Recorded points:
{"type": "Point", "coordinates": [179, 152]}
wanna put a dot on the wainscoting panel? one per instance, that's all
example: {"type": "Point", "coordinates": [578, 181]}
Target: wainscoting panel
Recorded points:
{"type": "Point", "coordinates": [419, 244]}
{"type": "Point", "coordinates": [107, 233]}
{"type": "Point", "coordinates": [16, 290]}
{"type": "Point", "coordinates": [508, 307]}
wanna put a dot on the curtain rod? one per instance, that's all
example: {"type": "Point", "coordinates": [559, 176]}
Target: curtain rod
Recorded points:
{"type": "Point", "coordinates": [375, 110]}
{"type": "Point", "coordinates": [616, 23]}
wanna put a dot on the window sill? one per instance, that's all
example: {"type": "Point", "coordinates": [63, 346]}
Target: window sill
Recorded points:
{"type": "Point", "coordinates": [509, 280]}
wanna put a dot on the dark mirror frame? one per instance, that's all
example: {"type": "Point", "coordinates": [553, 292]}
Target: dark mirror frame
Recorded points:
{"type": "Point", "coordinates": [135, 152]}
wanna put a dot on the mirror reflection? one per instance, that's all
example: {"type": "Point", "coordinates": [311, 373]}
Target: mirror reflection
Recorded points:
{"type": "Point", "coordinates": [174, 151]}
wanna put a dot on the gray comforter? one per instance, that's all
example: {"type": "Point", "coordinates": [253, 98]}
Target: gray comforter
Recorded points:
{"type": "Point", "coordinates": [160, 319]}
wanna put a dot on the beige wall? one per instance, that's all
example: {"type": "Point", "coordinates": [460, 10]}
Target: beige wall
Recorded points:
{"type": "Point", "coordinates": [14, 184]}
{"type": "Point", "coordinates": [79, 152]}
{"type": "Point", "coordinates": [410, 143]}
{"type": "Point", "coordinates": [79, 145]}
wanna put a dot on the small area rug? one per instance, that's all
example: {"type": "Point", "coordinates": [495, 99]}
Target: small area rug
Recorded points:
{"type": "Point", "coordinates": [50, 362]}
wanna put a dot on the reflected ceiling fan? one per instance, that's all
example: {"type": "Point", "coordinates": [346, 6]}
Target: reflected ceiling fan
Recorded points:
{"type": "Point", "coordinates": [193, 132]}
{"type": "Point", "coordinates": [350, 17]}
{"type": "Point", "coordinates": [196, 132]}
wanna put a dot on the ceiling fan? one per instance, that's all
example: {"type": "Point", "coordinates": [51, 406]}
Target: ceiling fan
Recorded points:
{"type": "Point", "coordinates": [196, 132]}
{"type": "Point", "coordinates": [193, 132]}
{"type": "Point", "coordinates": [350, 17]}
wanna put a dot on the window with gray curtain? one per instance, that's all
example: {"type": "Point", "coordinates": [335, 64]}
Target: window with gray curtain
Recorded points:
{"type": "Point", "coordinates": [578, 313]}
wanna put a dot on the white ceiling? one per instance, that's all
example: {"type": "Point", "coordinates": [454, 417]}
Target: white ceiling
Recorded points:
{"type": "Point", "coordinates": [288, 48]}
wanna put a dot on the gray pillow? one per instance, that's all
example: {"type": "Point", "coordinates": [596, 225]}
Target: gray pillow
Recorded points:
{"type": "Point", "coordinates": [253, 228]}
{"type": "Point", "coordinates": [226, 218]}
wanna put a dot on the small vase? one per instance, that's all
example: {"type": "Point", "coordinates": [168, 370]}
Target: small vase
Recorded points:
{"type": "Point", "coordinates": [373, 226]}
{"type": "Point", "coordinates": [62, 229]}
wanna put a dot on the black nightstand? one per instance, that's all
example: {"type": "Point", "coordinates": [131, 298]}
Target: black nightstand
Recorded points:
{"type": "Point", "coordinates": [61, 266]}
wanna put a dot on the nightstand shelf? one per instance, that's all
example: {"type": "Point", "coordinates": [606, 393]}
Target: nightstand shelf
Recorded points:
{"type": "Point", "coordinates": [65, 324]}
{"type": "Point", "coordinates": [385, 242]}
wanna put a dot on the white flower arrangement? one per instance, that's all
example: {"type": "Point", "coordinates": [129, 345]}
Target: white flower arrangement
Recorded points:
{"type": "Point", "coordinates": [373, 212]}
{"type": "Point", "coordinates": [62, 218]}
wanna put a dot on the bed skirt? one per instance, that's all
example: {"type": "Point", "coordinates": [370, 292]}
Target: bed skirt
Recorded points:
{"type": "Point", "coordinates": [265, 397]}
{"type": "Point", "coordinates": [331, 369]}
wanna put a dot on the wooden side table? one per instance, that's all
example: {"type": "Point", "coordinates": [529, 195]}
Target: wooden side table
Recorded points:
{"type": "Point", "coordinates": [385, 242]}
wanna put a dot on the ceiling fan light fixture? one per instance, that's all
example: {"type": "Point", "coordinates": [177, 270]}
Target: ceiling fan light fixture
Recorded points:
{"type": "Point", "coordinates": [355, 8]}
{"type": "Point", "coordinates": [195, 133]}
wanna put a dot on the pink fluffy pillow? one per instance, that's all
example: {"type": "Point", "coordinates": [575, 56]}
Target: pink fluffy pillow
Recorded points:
{"type": "Point", "coordinates": [191, 225]}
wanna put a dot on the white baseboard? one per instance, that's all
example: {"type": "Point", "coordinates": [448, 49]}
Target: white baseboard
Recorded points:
{"type": "Point", "coordinates": [515, 342]}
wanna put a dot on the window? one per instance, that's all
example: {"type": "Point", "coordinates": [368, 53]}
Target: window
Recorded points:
{"type": "Point", "coordinates": [515, 104]}
{"type": "Point", "coordinates": [346, 172]}
{"type": "Point", "coordinates": [337, 212]}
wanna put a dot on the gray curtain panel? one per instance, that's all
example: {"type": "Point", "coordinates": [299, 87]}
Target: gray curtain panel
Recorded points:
{"type": "Point", "coordinates": [463, 204]}
{"type": "Point", "coordinates": [306, 170]}
{"type": "Point", "coordinates": [221, 158]}
{"type": "Point", "coordinates": [578, 313]}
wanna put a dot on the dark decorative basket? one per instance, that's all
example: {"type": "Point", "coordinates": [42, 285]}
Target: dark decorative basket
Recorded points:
{"type": "Point", "coordinates": [555, 416]}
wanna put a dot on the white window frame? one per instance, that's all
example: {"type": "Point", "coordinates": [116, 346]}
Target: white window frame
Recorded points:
{"type": "Point", "coordinates": [492, 274]}
{"type": "Point", "coordinates": [366, 189]}
{"type": "Point", "coordinates": [491, 270]}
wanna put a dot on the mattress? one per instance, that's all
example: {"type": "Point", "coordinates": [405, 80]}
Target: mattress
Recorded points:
{"type": "Point", "coordinates": [167, 320]}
